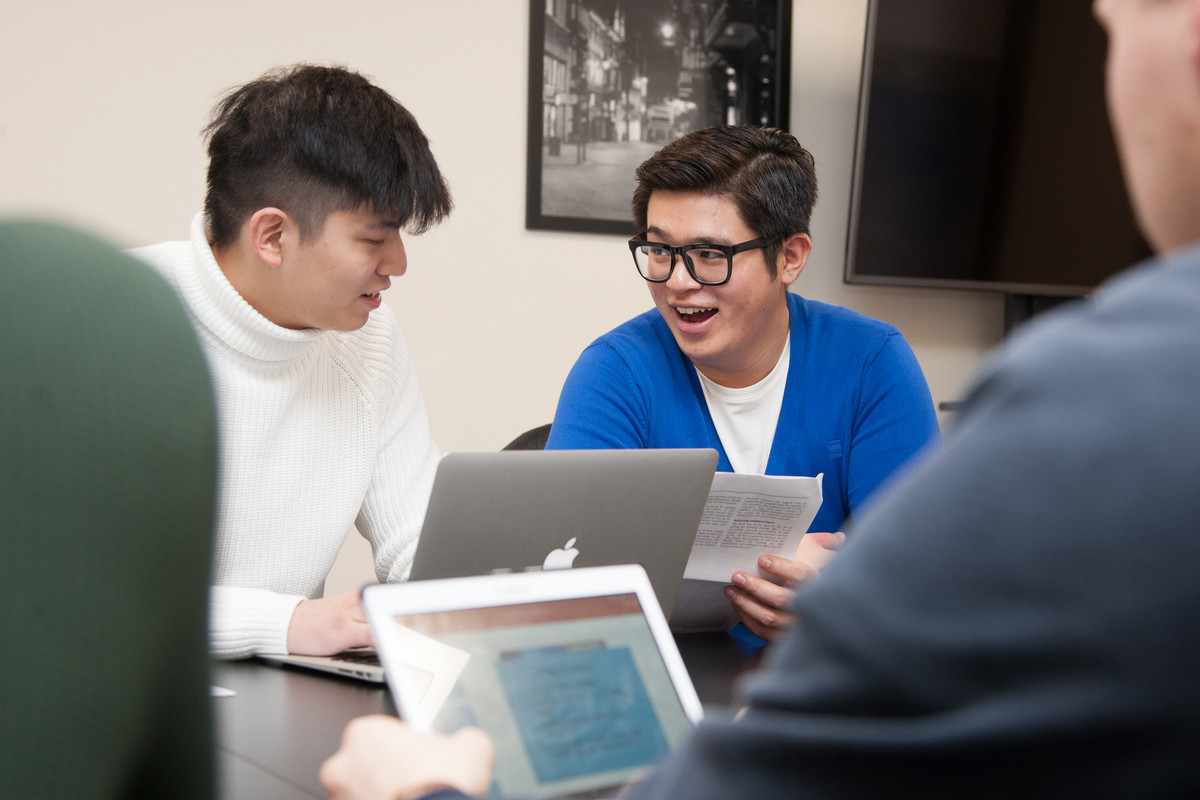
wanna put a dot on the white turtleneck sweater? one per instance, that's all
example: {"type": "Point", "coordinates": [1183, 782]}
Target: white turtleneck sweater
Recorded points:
{"type": "Point", "coordinates": [319, 431]}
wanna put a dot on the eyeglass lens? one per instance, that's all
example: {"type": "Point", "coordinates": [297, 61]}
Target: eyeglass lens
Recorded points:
{"type": "Point", "coordinates": [706, 266]}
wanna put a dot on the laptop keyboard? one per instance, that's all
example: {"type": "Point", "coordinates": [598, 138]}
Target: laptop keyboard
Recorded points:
{"type": "Point", "coordinates": [365, 657]}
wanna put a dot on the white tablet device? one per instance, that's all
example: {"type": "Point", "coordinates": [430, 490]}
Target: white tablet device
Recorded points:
{"type": "Point", "coordinates": [573, 673]}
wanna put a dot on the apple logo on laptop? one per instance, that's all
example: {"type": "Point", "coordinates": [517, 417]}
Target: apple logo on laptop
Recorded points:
{"type": "Point", "coordinates": [561, 557]}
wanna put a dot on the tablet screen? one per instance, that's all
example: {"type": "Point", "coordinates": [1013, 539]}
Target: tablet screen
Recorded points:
{"type": "Point", "coordinates": [574, 692]}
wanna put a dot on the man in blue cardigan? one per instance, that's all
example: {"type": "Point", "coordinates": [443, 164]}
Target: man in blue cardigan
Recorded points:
{"type": "Point", "coordinates": [730, 359]}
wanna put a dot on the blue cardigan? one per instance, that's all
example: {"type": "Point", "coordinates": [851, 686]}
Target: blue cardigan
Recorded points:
{"type": "Point", "coordinates": [856, 405]}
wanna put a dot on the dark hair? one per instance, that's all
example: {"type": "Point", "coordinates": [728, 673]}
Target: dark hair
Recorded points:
{"type": "Point", "coordinates": [771, 179]}
{"type": "Point", "coordinates": [313, 140]}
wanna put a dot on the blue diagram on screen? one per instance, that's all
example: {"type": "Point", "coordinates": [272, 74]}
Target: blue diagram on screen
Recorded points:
{"type": "Point", "coordinates": [581, 711]}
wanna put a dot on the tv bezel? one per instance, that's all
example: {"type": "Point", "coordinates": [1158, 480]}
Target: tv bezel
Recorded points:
{"type": "Point", "coordinates": [1019, 289]}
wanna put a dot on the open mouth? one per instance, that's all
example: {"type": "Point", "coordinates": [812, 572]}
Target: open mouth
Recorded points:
{"type": "Point", "coordinates": [695, 315]}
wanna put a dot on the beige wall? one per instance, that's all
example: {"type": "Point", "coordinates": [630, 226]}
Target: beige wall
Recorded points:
{"type": "Point", "coordinates": [99, 124]}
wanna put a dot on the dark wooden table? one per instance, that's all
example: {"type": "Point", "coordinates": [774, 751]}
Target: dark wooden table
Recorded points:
{"type": "Point", "coordinates": [281, 724]}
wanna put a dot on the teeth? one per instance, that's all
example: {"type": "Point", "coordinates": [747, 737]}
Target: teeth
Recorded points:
{"type": "Point", "coordinates": [692, 310]}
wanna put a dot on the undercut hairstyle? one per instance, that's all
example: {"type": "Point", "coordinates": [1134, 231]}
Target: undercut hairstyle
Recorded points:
{"type": "Point", "coordinates": [311, 140]}
{"type": "Point", "coordinates": [771, 179]}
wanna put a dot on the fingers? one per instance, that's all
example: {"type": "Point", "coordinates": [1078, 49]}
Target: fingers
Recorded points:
{"type": "Point", "coordinates": [767, 592]}
{"type": "Point", "coordinates": [817, 549]}
{"type": "Point", "coordinates": [474, 755]}
{"type": "Point", "coordinates": [381, 757]}
{"type": "Point", "coordinates": [764, 621]}
{"type": "Point", "coordinates": [762, 604]}
{"type": "Point", "coordinates": [814, 552]}
{"type": "Point", "coordinates": [328, 625]}
{"type": "Point", "coordinates": [830, 540]}
{"type": "Point", "coordinates": [360, 767]}
{"type": "Point", "coordinates": [786, 570]}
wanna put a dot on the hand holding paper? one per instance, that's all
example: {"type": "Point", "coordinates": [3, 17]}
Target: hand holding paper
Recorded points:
{"type": "Point", "coordinates": [764, 605]}
{"type": "Point", "coordinates": [746, 517]}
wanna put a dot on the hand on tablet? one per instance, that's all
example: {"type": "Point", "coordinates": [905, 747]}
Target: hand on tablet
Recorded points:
{"type": "Point", "coordinates": [763, 605]}
{"type": "Point", "coordinates": [381, 757]}
{"type": "Point", "coordinates": [328, 625]}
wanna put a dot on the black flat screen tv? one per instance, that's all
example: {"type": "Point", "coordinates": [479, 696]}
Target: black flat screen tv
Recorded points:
{"type": "Point", "coordinates": [984, 159]}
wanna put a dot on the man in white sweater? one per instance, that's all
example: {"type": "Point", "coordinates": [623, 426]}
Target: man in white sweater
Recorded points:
{"type": "Point", "coordinates": [313, 173]}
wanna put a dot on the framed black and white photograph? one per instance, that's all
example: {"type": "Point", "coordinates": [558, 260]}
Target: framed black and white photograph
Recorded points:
{"type": "Point", "coordinates": [612, 81]}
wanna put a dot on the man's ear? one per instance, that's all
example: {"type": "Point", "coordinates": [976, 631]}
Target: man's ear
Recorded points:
{"type": "Point", "coordinates": [793, 255]}
{"type": "Point", "coordinates": [266, 229]}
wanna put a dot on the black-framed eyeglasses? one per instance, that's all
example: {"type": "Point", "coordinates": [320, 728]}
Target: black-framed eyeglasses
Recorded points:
{"type": "Point", "coordinates": [709, 264]}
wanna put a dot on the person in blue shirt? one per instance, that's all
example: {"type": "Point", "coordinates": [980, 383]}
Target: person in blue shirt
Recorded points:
{"type": "Point", "coordinates": [730, 359]}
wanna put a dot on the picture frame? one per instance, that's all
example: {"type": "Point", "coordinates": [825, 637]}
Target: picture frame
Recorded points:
{"type": "Point", "coordinates": [611, 82]}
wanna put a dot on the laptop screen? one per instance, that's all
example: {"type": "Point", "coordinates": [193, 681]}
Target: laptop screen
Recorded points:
{"type": "Point", "coordinates": [574, 692]}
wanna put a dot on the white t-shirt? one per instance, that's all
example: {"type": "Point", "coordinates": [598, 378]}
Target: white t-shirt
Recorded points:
{"type": "Point", "coordinates": [746, 418]}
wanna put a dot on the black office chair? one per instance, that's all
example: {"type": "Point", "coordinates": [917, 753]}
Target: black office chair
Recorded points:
{"type": "Point", "coordinates": [107, 472]}
{"type": "Point", "coordinates": [532, 439]}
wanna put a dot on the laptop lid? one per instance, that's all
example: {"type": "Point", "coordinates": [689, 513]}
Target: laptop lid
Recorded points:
{"type": "Point", "coordinates": [574, 674]}
{"type": "Point", "coordinates": [521, 510]}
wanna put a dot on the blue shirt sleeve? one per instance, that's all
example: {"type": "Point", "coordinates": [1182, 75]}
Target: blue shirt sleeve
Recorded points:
{"type": "Point", "coordinates": [601, 405]}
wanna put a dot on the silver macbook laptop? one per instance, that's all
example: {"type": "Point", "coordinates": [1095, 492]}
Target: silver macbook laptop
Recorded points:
{"type": "Point", "coordinates": [529, 510]}
{"type": "Point", "coordinates": [361, 664]}
{"type": "Point", "coordinates": [574, 675]}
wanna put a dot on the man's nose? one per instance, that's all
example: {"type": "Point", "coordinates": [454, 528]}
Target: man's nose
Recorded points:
{"type": "Point", "coordinates": [681, 278]}
{"type": "Point", "coordinates": [395, 259]}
